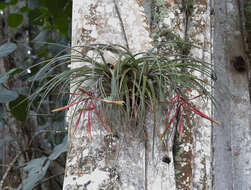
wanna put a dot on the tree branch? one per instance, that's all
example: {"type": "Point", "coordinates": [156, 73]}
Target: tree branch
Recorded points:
{"type": "Point", "coordinates": [47, 179]}
{"type": "Point", "coordinates": [9, 168]}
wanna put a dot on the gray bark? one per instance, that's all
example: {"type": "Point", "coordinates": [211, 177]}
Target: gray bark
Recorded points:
{"type": "Point", "coordinates": [192, 23]}
{"type": "Point", "coordinates": [232, 140]}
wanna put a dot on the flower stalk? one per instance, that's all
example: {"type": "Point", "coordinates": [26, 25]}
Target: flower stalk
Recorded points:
{"type": "Point", "coordinates": [182, 105]}
{"type": "Point", "coordinates": [89, 106]}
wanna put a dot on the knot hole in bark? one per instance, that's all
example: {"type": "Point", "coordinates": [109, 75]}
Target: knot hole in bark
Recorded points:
{"type": "Point", "coordinates": [239, 64]}
{"type": "Point", "coordinates": [166, 159]}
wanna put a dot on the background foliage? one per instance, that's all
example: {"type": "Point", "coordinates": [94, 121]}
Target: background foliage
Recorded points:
{"type": "Point", "coordinates": [33, 143]}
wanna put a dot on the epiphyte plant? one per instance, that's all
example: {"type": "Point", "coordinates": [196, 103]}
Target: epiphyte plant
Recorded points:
{"type": "Point", "coordinates": [182, 105]}
{"type": "Point", "coordinates": [137, 82]}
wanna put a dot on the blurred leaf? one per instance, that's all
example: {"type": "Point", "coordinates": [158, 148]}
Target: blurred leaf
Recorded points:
{"type": "Point", "coordinates": [7, 48]}
{"type": "Point", "coordinates": [36, 169]}
{"type": "Point", "coordinates": [58, 150]}
{"type": "Point", "coordinates": [60, 13]}
{"type": "Point", "coordinates": [55, 7]}
{"type": "Point", "coordinates": [1, 111]}
{"type": "Point", "coordinates": [2, 6]}
{"type": "Point", "coordinates": [32, 4]}
{"type": "Point", "coordinates": [7, 95]}
{"type": "Point", "coordinates": [11, 2]}
{"type": "Point", "coordinates": [3, 116]}
{"type": "Point", "coordinates": [5, 140]}
{"type": "Point", "coordinates": [24, 9]}
{"type": "Point", "coordinates": [19, 108]}
{"type": "Point", "coordinates": [15, 19]}
{"type": "Point", "coordinates": [40, 39]}
{"type": "Point", "coordinates": [35, 165]}
{"type": "Point", "coordinates": [14, 71]}
{"type": "Point", "coordinates": [5, 76]}
{"type": "Point", "coordinates": [38, 16]}
{"type": "Point", "coordinates": [61, 24]}
{"type": "Point", "coordinates": [43, 51]}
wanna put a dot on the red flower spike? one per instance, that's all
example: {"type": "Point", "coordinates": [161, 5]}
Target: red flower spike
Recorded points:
{"type": "Point", "coordinates": [89, 96]}
{"type": "Point", "coordinates": [89, 93]}
{"type": "Point", "coordinates": [170, 122]}
{"type": "Point", "coordinates": [79, 117]}
{"type": "Point", "coordinates": [71, 93]}
{"type": "Point", "coordinates": [186, 99]}
{"type": "Point", "coordinates": [196, 111]}
{"type": "Point", "coordinates": [70, 105]}
{"type": "Point", "coordinates": [100, 118]}
{"type": "Point", "coordinates": [89, 126]}
{"type": "Point", "coordinates": [88, 108]}
{"type": "Point", "coordinates": [78, 120]}
{"type": "Point", "coordinates": [174, 97]}
{"type": "Point", "coordinates": [180, 123]}
{"type": "Point", "coordinates": [183, 103]}
{"type": "Point", "coordinates": [169, 112]}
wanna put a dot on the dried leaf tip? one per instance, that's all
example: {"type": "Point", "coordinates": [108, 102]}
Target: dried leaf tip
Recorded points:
{"type": "Point", "coordinates": [120, 103]}
{"type": "Point", "coordinates": [216, 122]}
{"type": "Point", "coordinates": [58, 109]}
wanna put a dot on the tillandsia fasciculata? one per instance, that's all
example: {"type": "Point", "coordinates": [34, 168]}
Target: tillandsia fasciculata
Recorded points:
{"type": "Point", "coordinates": [136, 82]}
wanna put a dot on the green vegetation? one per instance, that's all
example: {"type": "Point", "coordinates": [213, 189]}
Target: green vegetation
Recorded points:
{"type": "Point", "coordinates": [31, 31]}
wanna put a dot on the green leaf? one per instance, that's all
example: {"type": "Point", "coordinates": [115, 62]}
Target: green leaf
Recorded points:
{"type": "Point", "coordinates": [7, 95]}
{"type": "Point", "coordinates": [61, 23]}
{"type": "Point", "coordinates": [58, 150]}
{"type": "Point", "coordinates": [14, 20]}
{"type": "Point", "coordinates": [24, 9]}
{"type": "Point", "coordinates": [19, 108]}
{"type": "Point", "coordinates": [38, 16]}
{"type": "Point", "coordinates": [5, 76]}
{"type": "Point", "coordinates": [14, 71]}
{"type": "Point", "coordinates": [7, 48]}
{"type": "Point", "coordinates": [55, 7]}
{"type": "Point", "coordinates": [2, 6]}
{"type": "Point", "coordinates": [12, 2]}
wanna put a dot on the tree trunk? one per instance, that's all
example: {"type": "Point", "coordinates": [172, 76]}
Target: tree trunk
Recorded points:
{"type": "Point", "coordinates": [232, 155]}
{"type": "Point", "coordinates": [108, 162]}
{"type": "Point", "coordinates": [191, 22]}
